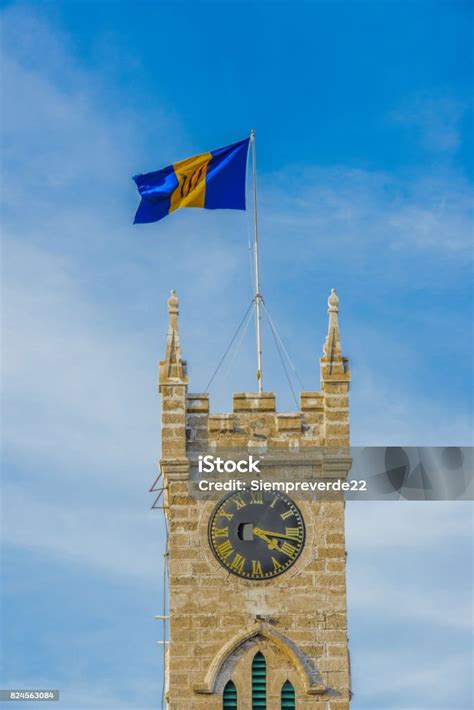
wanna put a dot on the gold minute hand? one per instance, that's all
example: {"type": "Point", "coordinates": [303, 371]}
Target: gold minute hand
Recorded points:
{"type": "Point", "coordinates": [257, 531]}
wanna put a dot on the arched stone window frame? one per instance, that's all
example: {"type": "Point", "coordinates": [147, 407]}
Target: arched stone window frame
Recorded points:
{"type": "Point", "coordinates": [308, 673]}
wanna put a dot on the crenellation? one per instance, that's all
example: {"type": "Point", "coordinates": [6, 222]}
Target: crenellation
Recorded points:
{"type": "Point", "coordinates": [254, 402]}
{"type": "Point", "coordinates": [291, 422]}
{"type": "Point", "coordinates": [197, 403]}
{"type": "Point", "coordinates": [220, 423]}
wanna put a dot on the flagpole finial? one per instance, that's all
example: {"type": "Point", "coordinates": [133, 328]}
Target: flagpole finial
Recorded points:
{"type": "Point", "coordinates": [252, 133]}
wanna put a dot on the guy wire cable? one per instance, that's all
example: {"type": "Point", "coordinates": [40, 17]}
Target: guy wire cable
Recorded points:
{"type": "Point", "coordinates": [281, 358]}
{"type": "Point", "coordinates": [272, 325]}
{"type": "Point", "coordinates": [238, 344]}
{"type": "Point", "coordinates": [229, 346]}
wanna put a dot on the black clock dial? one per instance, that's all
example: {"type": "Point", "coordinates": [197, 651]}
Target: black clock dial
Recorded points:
{"type": "Point", "coordinates": [255, 534]}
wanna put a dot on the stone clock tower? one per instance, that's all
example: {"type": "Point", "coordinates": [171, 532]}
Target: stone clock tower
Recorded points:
{"type": "Point", "coordinates": [257, 581]}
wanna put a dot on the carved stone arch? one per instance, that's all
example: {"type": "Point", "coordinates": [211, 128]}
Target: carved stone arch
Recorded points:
{"type": "Point", "coordinates": [310, 676]}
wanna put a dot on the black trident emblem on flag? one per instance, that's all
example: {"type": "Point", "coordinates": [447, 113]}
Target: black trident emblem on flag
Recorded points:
{"type": "Point", "coordinates": [191, 180]}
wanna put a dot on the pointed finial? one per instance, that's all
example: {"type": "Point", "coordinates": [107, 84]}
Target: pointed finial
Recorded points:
{"type": "Point", "coordinates": [332, 361]}
{"type": "Point", "coordinates": [333, 302]}
{"type": "Point", "coordinates": [173, 303]}
{"type": "Point", "coordinates": [173, 367]}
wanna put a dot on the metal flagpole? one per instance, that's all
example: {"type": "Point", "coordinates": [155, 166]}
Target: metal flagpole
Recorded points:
{"type": "Point", "coordinates": [258, 296]}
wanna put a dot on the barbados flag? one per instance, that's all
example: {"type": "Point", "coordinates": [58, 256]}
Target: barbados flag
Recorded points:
{"type": "Point", "coordinates": [214, 180]}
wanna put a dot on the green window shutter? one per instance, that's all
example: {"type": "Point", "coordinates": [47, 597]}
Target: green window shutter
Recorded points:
{"type": "Point", "coordinates": [259, 682]}
{"type": "Point", "coordinates": [230, 696]}
{"type": "Point", "coordinates": [288, 696]}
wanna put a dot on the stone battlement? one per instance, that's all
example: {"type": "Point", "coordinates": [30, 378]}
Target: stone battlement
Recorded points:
{"type": "Point", "coordinates": [254, 416]}
{"type": "Point", "coordinates": [253, 402]}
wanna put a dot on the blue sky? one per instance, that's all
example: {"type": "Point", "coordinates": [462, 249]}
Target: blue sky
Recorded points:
{"type": "Point", "coordinates": [363, 118]}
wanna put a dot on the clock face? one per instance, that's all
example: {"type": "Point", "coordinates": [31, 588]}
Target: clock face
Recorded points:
{"type": "Point", "coordinates": [256, 535]}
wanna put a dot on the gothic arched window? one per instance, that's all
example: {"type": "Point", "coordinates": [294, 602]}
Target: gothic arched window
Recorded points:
{"type": "Point", "coordinates": [259, 682]}
{"type": "Point", "coordinates": [230, 696]}
{"type": "Point", "coordinates": [288, 701]}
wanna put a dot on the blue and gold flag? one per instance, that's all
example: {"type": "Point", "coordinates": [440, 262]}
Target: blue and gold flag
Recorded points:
{"type": "Point", "coordinates": [214, 180]}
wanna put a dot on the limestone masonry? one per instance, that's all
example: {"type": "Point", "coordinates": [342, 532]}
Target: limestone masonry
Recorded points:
{"type": "Point", "coordinates": [218, 621]}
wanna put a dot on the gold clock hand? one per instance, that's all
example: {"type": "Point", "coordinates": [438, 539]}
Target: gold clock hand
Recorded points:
{"type": "Point", "coordinates": [274, 534]}
{"type": "Point", "coordinates": [271, 544]}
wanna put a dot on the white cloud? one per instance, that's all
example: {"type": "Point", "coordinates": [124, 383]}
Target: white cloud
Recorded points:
{"type": "Point", "coordinates": [122, 541]}
{"type": "Point", "coordinates": [359, 211]}
{"type": "Point", "coordinates": [402, 524]}
{"type": "Point", "coordinates": [394, 552]}
{"type": "Point", "coordinates": [425, 681]}
{"type": "Point", "coordinates": [395, 600]}
{"type": "Point", "coordinates": [385, 413]}
{"type": "Point", "coordinates": [72, 386]}
{"type": "Point", "coordinates": [437, 120]}
{"type": "Point", "coordinates": [410, 573]}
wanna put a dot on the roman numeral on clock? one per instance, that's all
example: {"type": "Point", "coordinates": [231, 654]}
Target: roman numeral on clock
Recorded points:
{"type": "Point", "coordinates": [288, 549]}
{"type": "Point", "coordinates": [277, 567]}
{"type": "Point", "coordinates": [287, 514]}
{"type": "Point", "coordinates": [293, 533]}
{"type": "Point", "coordinates": [257, 568]}
{"type": "Point", "coordinates": [237, 563]}
{"type": "Point", "coordinates": [224, 550]}
{"type": "Point", "coordinates": [224, 514]}
{"type": "Point", "coordinates": [222, 532]}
